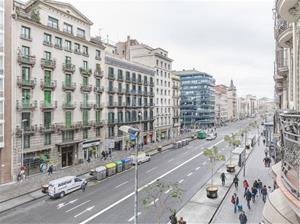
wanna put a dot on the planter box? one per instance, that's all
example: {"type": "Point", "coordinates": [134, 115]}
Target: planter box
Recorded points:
{"type": "Point", "coordinates": [212, 192]}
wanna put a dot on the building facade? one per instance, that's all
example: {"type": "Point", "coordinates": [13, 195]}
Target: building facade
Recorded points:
{"type": "Point", "coordinates": [197, 99]}
{"type": "Point", "coordinates": [232, 102]}
{"type": "Point", "coordinates": [283, 204]}
{"type": "Point", "coordinates": [158, 59]}
{"type": "Point", "coordinates": [57, 88]}
{"type": "Point", "coordinates": [221, 104]}
{"type": "Point", "coordinates": [176, 105]}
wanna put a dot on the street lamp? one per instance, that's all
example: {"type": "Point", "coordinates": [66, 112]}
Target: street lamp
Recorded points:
{"type": "Point", "coordinates": [134, 132]}
{"type": "Point", "coordinates": [140, 118]}
{"type": "Point", "coordinates": [22, 145]}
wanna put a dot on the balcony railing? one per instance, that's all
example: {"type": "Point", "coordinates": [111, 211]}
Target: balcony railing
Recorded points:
{"type": "Point", "coordinates": [47, 43]}
{"type": "Point", "coordinates": [98, 106]}
{"type": "Point", "coordinates": [120, 78]}
{"type": "Point", "coordinates": [26, 59]}
{"type": "Point", "coordinates": [134, 80]}
{"type": "Point", "coordinates": [140, 81]}
{"type": "Point", "coordinates": [98, 89]}
{"type": "Point", "coordinates": [69, 67]}
{"type": "Point", "coordinates": [128, 79]}
{"type": "Point", "coordinates": [111, 76]}
{"type": "Point", "coordinates": [48, 84]}
{"type": "Point", "coordinates": [85, 71]}
{"type": "Point", "coordinates": [69, 106]}
{"type": "Point", "coordinates": [146, 83]}
{"type": "Point", "coordinates": [112, 90]}
{"type": "Point", "coordinates": [29, 130]}
{"type": "Point", "coordinates": [25, 37]}
{"type": "Point", "coordinates": [99, 123]}
{"type": "Point", "coordinates": [48, 128]}
{"type": "Point", "coordinates": [77, 51]}
{"type": "Point", "coordinates": [86, 106]}
{"type": "Point", "coordinates": [26, 83]}
{"type": "Point", "coordinates": [86, 88]}
{"type": "Point", "coordinates": [98, 73]}
{"type": "Point", "coordinates": [69, 86]}
{"type": "Point", "coordinates": [26, 105]}
{"type": "Point", "coordinates": [58, 46]}
{"type": "Point", "coordinates": [112, 104]}
{"type": "Point", "coordinates": [72, 126]}
{"type": "Point", "coordinates": [151, 83]}
{"type": "Point", "coordinates": [48, 105]}
{"type": "Point", "coordinates": [97, 57]}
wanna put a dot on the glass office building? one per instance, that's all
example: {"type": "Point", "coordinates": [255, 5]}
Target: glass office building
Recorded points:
{"type": "Point", "coordinates": [197, 99]}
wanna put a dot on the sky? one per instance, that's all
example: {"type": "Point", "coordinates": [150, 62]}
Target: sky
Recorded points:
{"type": "Point", "coordinates": [227, 39]}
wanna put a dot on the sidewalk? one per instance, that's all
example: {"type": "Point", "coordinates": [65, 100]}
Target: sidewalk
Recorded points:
{"type": "Point", "coordinates": [255, 169]}
{"type": "Point", "coordinates": [17, 193]}
{"type": "Point", "coordinates": [200, 209]}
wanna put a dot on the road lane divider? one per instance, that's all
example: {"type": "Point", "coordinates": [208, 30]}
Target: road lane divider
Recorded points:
{"type": "Point", "coordinates": [180, 181]}
{"type": "Point", "coordinates": [84, 211]}
{"type": "Point", "coordinates": [190, 174]}
{"type": "Point", "coordinates": [154, 168]}
{"type": "Point", "coordinates": [126, 182]}
{"type": "Point", "coordinates": [132, 218]}
{"type": "Point", "coordinates": [143, 187]}
{"type": "Point", "coordinates": [197, 168]}
{"type": "Point", "coordinates": [167, 191]}
{"type": "Point", "coordinates": [61, 205]}
{"type": "Point", "coordinates": [77, 206]}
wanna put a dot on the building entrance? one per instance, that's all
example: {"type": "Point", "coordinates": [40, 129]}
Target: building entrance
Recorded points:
{"type": "Point", "coordinates": [67, 156]}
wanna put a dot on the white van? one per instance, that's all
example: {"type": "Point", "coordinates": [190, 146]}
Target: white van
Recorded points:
{"type": "Point", "coordinates": [142, 157]}
{"type": "Point", "coordinates": [62, 186]}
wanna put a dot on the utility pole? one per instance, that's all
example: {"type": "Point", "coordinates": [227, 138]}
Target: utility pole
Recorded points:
{"type": "Point", "coordinates": [23, 141]}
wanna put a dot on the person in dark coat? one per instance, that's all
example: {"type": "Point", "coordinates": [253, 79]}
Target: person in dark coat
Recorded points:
{"type": "Point", "coordinates": [248, 196]}
{"type": "Point", "coordinates": [236, 181]}
{"type": "Point", "coordinates": [223, 177]}
{"type": "Point", "coordinates": [243, 218]}
{"type": "Point", "coordinates": [50, 170]}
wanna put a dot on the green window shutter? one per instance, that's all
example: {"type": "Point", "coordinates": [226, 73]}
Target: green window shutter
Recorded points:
{"type": "Point", "coordinates": [68, 98]}
{"type": "Point", "coordinates": [26, 96]}
{"type": "Point", "coordinates": [47, 97]}
{"type": "Point", "coordinates": [47, 78]}
{"type": "Point", "coordinates": [97, 116]}
{"type": "Point", "coordinates": [85, 81]}
{"type": "Point", "coordinates": [25, 74]}
{"type": "Point", "coordinates": [47, 119]}
{"type": "Point", "coordinates": [98, 99]}
{"type": "Point", "coordinates": [97, 82]}
{"type": "Point", "coordinates": [85, 116]}
{"type": "Point", "coordinates": [68, 79]}
{"type": "Point", "coordinates": [68, 117]}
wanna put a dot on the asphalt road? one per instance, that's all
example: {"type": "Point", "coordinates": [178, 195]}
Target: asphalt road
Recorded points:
{"type": "Point", "coordinates": [112, 200]}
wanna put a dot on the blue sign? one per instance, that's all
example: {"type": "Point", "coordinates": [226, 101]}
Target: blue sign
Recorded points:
{"type": "Point", "coordinates": [132, 137]}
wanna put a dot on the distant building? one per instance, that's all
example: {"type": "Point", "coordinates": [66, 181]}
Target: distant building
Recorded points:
{"type": "Point", "coordinates": [221, 104]}
{"type": "Point", "coordinates": [176, 104]}
{"type": "Point", "coordinates": [232, 101]}
{"type": "Point", "coordinates": [197, 99]}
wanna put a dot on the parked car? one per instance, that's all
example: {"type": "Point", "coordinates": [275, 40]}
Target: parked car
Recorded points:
{"type": "Point", "coordinates": [141, 158]}
{"type": "Point", "coordinates": [211, 136]}
{"type": "Point", "coordinates": [60, 187]}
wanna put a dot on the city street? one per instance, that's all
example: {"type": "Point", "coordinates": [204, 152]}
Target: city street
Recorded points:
{"type": "Point", "coordinates": [111, 200]}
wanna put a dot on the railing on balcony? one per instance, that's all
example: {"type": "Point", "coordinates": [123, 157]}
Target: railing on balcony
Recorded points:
{"type": "Point", "coordinates": [26, 83]}
{"type": "Point", "coordinates": [86, 106]}
{"type": "Point", "coordinates": [48, 63]}
{"type": "Point", "coordinates": [120, 78]}
{"type": "Point", "coordinates": [48, 84]}
{"type": "Point", "coordinates": [69, 106]}
{"type": "Point", "coordinates": [85, 71]}
{"type": "Point", "coordinates": [87, 124]}
{"type": "Point", "coordinates": [98, 106]}
{"type": "Point", "coordinates": [28, 130]}
{"type": "Point", "coordinates": [48, 105]}
{"type": "Point", "coordinates": [151, 83]}
{"type": "Point", "coordinates": [98, 123]}
{"type": "Point", "coordinates": [25, 37]}
{"type": "Point", "coordinates": [69, 67]}
{"type": "Point", "coordinates": [98, 73]}
{"type": "Point", "coordinates": [111, 76]}
{"type": "Point", "coordinates": [69, 86]}
{"type": "Point", "coordinates": [46, 128]}
{"type": "Point", "coordinates": [86, 88]}
{"type": "Point", "coordinates": [112, 90]}
{"type": "Point", "coordinates": [26, 59]}
{"type": "Point", "coordinates": [66, 127]}
{"type": "Point", "coordinates": [146, 83]}
{"type": "Point", "coordinates": [98, 89]}
{"type": "Point", "coordinates": [47, 43]}
{"type": "Point", "coordinates": [26, 105]}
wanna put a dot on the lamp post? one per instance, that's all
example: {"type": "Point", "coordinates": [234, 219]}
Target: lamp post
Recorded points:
{"type": "Point", "coordinates": [22, 145]}
{"type": "Point", "coordinates": [140, 118]}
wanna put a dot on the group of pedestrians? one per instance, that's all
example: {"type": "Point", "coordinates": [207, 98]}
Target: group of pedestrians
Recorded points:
{"type": "Point", "coordinates": [106, 154]}
{"type": "Point", "coordinates": [46, 167]}
{"type": "Point", "coordinates": [258, 189]}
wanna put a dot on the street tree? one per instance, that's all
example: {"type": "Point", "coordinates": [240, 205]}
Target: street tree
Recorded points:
{"type": "Point", "coordinates": [233, 142]}
{"type": "Point", "coordinates": [163, 196]}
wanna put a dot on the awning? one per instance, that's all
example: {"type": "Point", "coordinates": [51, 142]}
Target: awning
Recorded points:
{"type": "Point", "coordinates": [70, 143]}
{"type": "Point", "coordinates": [277, 210]}
{"type": "Point", "coordinates": [88, 144]}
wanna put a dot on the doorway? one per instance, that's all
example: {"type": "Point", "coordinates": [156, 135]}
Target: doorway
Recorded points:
{"type": "Point", "coordinates": [67, 156]}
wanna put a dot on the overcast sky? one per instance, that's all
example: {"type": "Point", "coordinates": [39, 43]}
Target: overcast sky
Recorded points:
{"type": "Point", "coordinates": [227, 39]}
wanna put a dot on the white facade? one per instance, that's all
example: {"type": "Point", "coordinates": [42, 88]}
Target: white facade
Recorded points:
{"type": "Point", "coordinates": [221, 104]}
{"type": "Point", "coordinates": [57, 87]}
{"type": "Point", "coordinates": [176, 105]}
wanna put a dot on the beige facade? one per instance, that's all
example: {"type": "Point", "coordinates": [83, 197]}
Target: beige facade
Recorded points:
{"type": "Point", "coordinates": [156, 58]}
{"type": "Point", "coordinates": [57, 89]}
{"type": "Point", "coordinates": [232, 102]}
{"type": "Point", "coordinates": [221, 104]}
{"type": "Point", "coordinates": [176, 105]}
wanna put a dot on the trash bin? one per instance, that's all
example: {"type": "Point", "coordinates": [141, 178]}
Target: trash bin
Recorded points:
{"type": "Point", "coordinates": [110, 169]}
{"type": "Point", "coordinates": [119, 166]}
{"type": "Point", "coordinates": [100, 173]}
{"type": "Point", "coordinates": [127, 163]}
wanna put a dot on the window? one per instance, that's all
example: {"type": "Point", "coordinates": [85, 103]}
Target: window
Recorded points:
{"type": "Point", "coordinates": [47, 120]}
{"type": "Point", "coordinates": [110, 86]}
{"type": "Point", "coordinates": [26, 141]}
{"type": "Point", "coordinates": [98, 116]}
{"type": "Point", "coordinates": [85, 65]}
{"type": "Point", "coordinates": [111, 117]}
{"type": "Point", "coordinates": [68, 118]}
{"type": "Point", "coordinates": [47, 139]}
{"type": "Point", "coordinates": [98, 132]}
{"type": "Point", "coordinates": [110, 100]}
{"type": "Point", "coordinates": [52, 22]}
{"type": "Point", "coordinates": [98, 99]}
{"type": "Point", "coordinates": [77, 48]}
{"type": "Point", "coordinates": [25, 32]}
{"type": "Point", "coordinates": [47, 55]}
{"type": "Point", "coordinates": [85, 133]}
{"type": "Point", "coordinates": [120, 87]}
{"type": "Point", "coordinates": [25, 51]}
{"type": "Point", "coordinates": [98, 82]}
{"type": "Point", "coordinates": [156, 62]}
{"type": "Point", "coordinates": [47, 39]}
{"type": "Point", "coordinates": [25, 74]}
{"type": "Point", "coordinates": [85, 81]}
{"type": "Point", "coordinates": [68, 60]}
{"type": "Point", "coordinates": [119, 100]}
{"type": "Point", "coordinates": [26, 97]}
{"type": "Point", "coordinates": [85, 50]}
{"type": "Point", "coordinates": [85, 117]}
{"type": "Point", "coordinates": [128, 76]}
{"type": "Point", "coordinates": [68, 28]}
{"type": "Point", "coordinates": [68, 98]}
{"type": "Point", "coordinates": [68, 79]}
{"type": "Point", "coordinates": [68, 45]}
{"type": "Point", "coordinates": [47, 97]}
{"type": "Point", "coordinates": [85, 98]}
{"type": "Point", "coordinates": [58, 42]}
{"type": "Point", "coordinates": [98, 54]}
{"type": "Point", "coordinates": [80, 33]}
{"type": "Point", "coordinates": [68, 136]}
{"type": "Point", "coordinates": [110, 131]}
{"type": "Point", "coordinates": [26, 120]}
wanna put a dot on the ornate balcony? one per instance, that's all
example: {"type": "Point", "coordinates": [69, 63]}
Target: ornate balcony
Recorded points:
{"type": "Point", "coordinates": [87, 124]}
{"type": "Point", "coordinates": [140, 81]}
{"type": "Point", "coordinates": [112, 90]}
{"type": "Point", "coordinates": [26, 59]}
{"type": "Point", "coordinates": [120, 78]}
{"type": "Point", "coordinates": [128, 79]}
{"type": "Point", "coordinates": [69, 68]}
{"type": "Point", "coordinates": [47, 43]}
{"type": "Point", "coordinates": [67, 127]}
{"type": "Point", "coordinates": [98, 73]}
{"type": "Point", "coordinates": [30, 130]}
{"type": "Point", "coordinates": [23, 106]}
{"type": "Point", "coordinates": [112, 105]}
{"type": "Point", "coordinates": [48, 128]}
{"type": "Point", "coordinates": [151, 94]}
{"type": "Point", "coordinates": [48, 84]}
{"type": "Point", "coordinates": [285, 36]}
{"type": "Point", "coordinates": [98, 106]}
{"type": "Point", "coordinates": [69, 86]}
{"type": "Point", "coordinates": [134, 81]}
{"type": "Point", "coordinates": [26, 83]}
{"type": "Point", "coordinates": [151, 83]}
{"type": "Point", "coordinates": [288, 9]}
{"type": "Point", "coordinates": [48, 63]}
{"type": "Point", "coordinates": [111, 76]}
{"type": "Point", "coordinates": [48, 106]}
{"type": "Point", "coordinates": [146, 83]}
{"type": "Point", "coordinates": [121, 91]}
{"type": "Point", "coordinates": [69, 106]}
{"type": "Point", "coordinates": [85, 71]}
{"type": "Point", "coordinates": [97, 124]}
{"type": "Point", "coordinates": [86, 106]}
{"type": "Point", "coordinates": [98, 89]}
{"type": "Point", "coordinates": [86, 88]}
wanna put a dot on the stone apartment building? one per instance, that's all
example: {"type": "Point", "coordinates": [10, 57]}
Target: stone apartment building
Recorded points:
{"type": "Point", "coordinates": [232, 101]}
{"type": "Point", "coordinates": [176, 105]}
{"type": "Point", "coordinates": [158, 59]}
{"type": "Point", "coordinates": [221, 104]}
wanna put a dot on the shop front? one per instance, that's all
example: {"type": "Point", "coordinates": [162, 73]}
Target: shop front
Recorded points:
{"type": "Point", "coordinates": [33, 160]}
{"type": "Point", "coordinates": [68, 153]}
{"type": "Point", "coordinates": [91, 149]}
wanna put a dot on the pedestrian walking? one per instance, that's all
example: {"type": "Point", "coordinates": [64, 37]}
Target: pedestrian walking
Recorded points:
{"type": "Point", "coordinates": [181, 221]}
{"type": "Point", "coordinates": [173, 218]}
{"type": "Point", "coordinates": [106, 154]}
{"type": "Point", "coordinates": [109, 153]}
{"type": "Point", "coordinates": [243, 218]}
{"type": "Point", "coordinates": [83, 185]}
{"type": "Point", "coordinates": [236, 181]}
{"type": "Point", "coordinates": [245, 185]}
{"type": "Point", "coordinates": [266, 152]}
{"type": "Point", "coordinates": [50, 170]}
{"type": "Point", "coordinates": [254, 192]}
{"type": "Point", "coordinates": [103, 155]}
{"type": "Point", "coordinates": [264, 192]}
{"type": "Point", "coordinates": [223, 177]}
{"type": "Point", "coordinates": [248, 196]}
{"type": "Point", "coordinates": [259, 184]}
{"type": "Point", "coordinates": [255, 184]}
{"type": "Point", "coordinates": [264, 141]}
{"type": "Point", "coordinates": [235, 202]}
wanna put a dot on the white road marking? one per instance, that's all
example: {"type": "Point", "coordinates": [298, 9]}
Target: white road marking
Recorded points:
{"type": "Point", "coordinates": [84, 211]}
{"type": "Point", "coordinates": [197, 168]}
{"type": "Point", "coordinates": [151, 169]}
{"type": "Point", "coordinates": [132, 218]}
{"type": "Point", "coordinates": [143, 187]}
{"type": "Point", "coordinates": [78, 206]}
{"type": "Point", "coordinates": [185, 152]}
{"type": "Point", "coordinates": [181, 181]}
{"type": "Point", "coordinates": [152, 203]}
{"type": "Point", "coordinates": [167, 191]}
{"type": "Point", "coordinates": [190, 174]}
{"type": "Point", "coordinates": [61, 205]}
{"type": "Point", "coordinates": [121, 184]}
{"type": "Point", "coordinates": [170, 160]}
